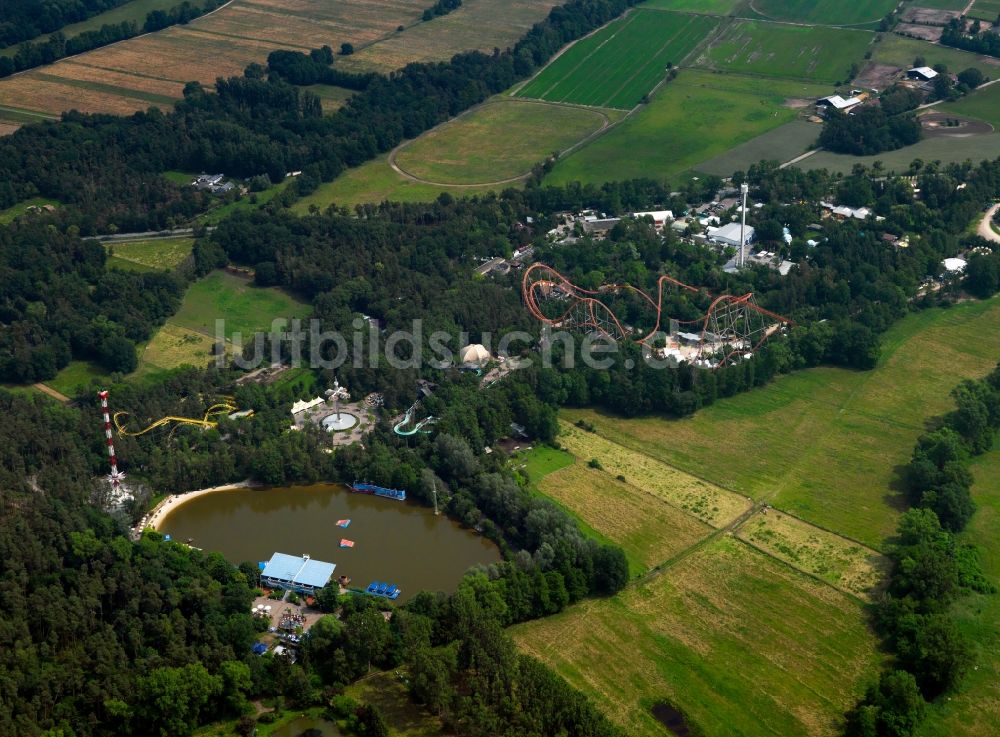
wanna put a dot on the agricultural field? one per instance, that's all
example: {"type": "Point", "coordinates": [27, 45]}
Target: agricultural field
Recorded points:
{"type": "Point", "coordinates": [173, 346]}
{"type": "Point", "coordinates": [741, 644]}
{"type": "Point", "coordinates": [648, 529]}
{"type": "Point", "coordinates": [861, 426]}
{"type": "Point", "coordinates": [477, 24]}
{"type": "Point", "coordinates": [975, 709]}
{"type": "Point", "coordinates": [901, 52]}
{"type": "Point", "coordinates": [943, 149]}
{"type": "Point", "coordinates": [77, 374]}
{"type": "Point", "coordinates": [155, 255]}
{"type": "Point", "coordinates": [246, 308]}
{"type": "Point", "coordinates": [780, 144]}
{"type": "Point", "coordinates": [375, 181]}
{"type": "Point", "coordinates": [125, 75]}
{"type": "Point", "coordinates": [696, 117]}
{"type": "Point", "coordinates": [816, 54]}
{"type": "Point", "coordinates": [621, 63]}
{"type": "Point", "coordinates": [701, 499]}
{"type": "Point", "coordinates": [987, 10]}
{"type": "Point", "coordinates": [983, 104]}
{"type": "Point", "coordinates": [709, 7]}
{"type": "Point", "coordinates": [7, 128]}
{"type": "Point", "coordinates": [825, 12]}
{"type": "Point", "coordinates": [847, 566]}
{"type": "Point", "coordinates": [497, 141]}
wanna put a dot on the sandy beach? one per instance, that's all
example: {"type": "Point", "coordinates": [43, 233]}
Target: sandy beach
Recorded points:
{"type": "Point", "coordinates": [161, 511]}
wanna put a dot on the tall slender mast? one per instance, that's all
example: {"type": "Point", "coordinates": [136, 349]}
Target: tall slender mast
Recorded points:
{"type": "Point", "coordinates": [116, 476]}
{"type": "Point", "coordinates": [744, 188]}
{"type": "Point", "coordinates": [435, 488]}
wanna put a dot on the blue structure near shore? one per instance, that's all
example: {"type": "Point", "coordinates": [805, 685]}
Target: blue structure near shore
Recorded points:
{"type": "Point", "coordinates": [296, 573]}
{"type": "Point", "coordinates": [385, 590]}
{"type": "Point", "coordinates": [362, 488]}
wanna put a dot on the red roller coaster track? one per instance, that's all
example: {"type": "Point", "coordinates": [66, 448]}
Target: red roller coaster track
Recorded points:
{"type": "Point", "coordinates": [732, 325]}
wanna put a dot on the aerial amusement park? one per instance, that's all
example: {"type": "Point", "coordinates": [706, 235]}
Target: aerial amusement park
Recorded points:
{"type": "Point", "coordinates": [731, 329]}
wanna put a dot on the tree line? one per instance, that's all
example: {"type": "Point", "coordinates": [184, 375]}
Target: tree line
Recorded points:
{"type": "Point", "coordinates": [21, 20]}
{"type": "Point", "coordinates": [931, 569]}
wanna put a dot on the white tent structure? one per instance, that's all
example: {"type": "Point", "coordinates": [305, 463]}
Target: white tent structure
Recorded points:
{"type": "Point", "coordinates": [474, 354]}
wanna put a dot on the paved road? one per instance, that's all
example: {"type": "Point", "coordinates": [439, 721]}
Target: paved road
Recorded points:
{"type": "Point", "coordinates": [985, 230]}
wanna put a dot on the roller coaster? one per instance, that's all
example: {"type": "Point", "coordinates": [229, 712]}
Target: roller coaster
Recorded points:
{"type": "Point", "coordinates": [223, 407]}
{"type": "Point", "coordinates": [732, 328]}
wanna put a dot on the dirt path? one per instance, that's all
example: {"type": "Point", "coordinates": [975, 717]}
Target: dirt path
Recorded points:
{"type": "Point", "coordinates": [51, 392]}
{"type": "Point", "coordinates": [985, 230]}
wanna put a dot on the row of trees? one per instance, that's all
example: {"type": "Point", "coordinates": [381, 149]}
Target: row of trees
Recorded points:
{"type": "Point", "coordinates": [975, 39]}
{"type": "Point", "coordinates": [931, 569]}
{"type": "Point", "coordinates": [21, 20]}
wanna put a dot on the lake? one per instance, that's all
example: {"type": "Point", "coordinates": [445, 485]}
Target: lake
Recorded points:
{"type": "Point", "coordinates": [396, 542]}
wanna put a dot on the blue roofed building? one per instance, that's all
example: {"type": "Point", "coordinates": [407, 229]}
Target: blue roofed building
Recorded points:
{"type": "Point", "coordinates": [296, 572]}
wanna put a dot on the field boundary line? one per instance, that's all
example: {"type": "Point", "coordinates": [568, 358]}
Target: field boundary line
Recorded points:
{"type": "Point", "coordinates": [32, 113]}
{"type": "Point", "coordinates": [768, 19]}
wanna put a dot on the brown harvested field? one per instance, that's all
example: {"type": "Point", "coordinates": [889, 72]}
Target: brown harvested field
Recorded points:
{"type": "Point", "coordinates": [7, 128]}
{"type": "Point", "coordinates": [86, 73]}
{"type": "Point", "coordinates": [929, 16]}
{"type": "Point", "coordinates": [877, 76]}
{"type": "Point", "coordinates": [158, 65]}
{"type": "Point", "coordinates": [649, 529]}
{"type": "Point", "coordinates": [927, 33]}
{"type": "Point", "coordinates": [846, 565]}
{"type": "Point", "coordinates": [29, 93]}
{"type": "Point", "coordinates": [710, 503]}
{"type": "Point", "coordinates": [311, 24]}
{"type": "Point", "coordinates": [477, 24]}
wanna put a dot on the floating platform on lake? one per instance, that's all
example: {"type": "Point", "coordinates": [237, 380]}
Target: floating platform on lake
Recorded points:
{"type": "Point", "coordinates": [343, 523]}
{"type": "Point", "coordinates": [362, 488]}
{"type": "Point", "coordinates": [345, 543]}
{"type": "Point", "coordinates": [385, 590]}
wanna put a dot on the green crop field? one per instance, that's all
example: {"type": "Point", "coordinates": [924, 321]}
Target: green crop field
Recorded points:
{"type": "Point", "coordinates": [697, 116]}
{"type": "Point", "coordinates": [246, 308]}
{"type": "Point", "coordinates": [825, 12]}
{"type": "Point", "coordinates": [621, 63]}
{"type": "Point", "coordinates": [782, 144]}
{"type": "Point", "coordinates": [711, 7]}
{"type": "Point", "coordinates": [988, 10]}
{"type": "Point", "coordinates": [497, 141]}
{"type": "Point", "coordinates": [14, 211]}
{"type": "Point", "coordinates": [743, 645]}
{"type": "Point", "coordinates": [824, 444]}
{"type": "Point", "coordinates": [901, 52]}
{"type": "Point", "coordinates": [817, 54]}
{"type": "Point", "coordinates": [975, 709]}
{"type": "Point", "coordinates": [375, 181]}
{"type": "Point", "coordinates": [983, 104]}
{"type": "Point", "coordinates": [945, 150]}
{"type": "Point", "coordinates": [157, 254]}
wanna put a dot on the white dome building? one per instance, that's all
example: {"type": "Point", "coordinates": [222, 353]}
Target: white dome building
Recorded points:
{"type": "Point", "coordinates": [474, 355]}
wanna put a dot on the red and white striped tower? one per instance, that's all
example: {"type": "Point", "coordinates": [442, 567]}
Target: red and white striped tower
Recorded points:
{"type": "Point", "coordinates": [116, 476]}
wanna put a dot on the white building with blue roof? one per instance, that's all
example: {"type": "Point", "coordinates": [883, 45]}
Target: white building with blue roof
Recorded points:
{"type": "Point", "coordinates": [297, 573]}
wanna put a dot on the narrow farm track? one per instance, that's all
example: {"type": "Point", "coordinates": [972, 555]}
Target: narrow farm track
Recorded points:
{"type": "Point", "coordinates": [51, 392]}
{"type": "Point", "coordinates": [985, 229]}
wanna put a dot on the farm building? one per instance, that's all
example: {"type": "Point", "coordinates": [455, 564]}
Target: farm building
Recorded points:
{"type": "Point", "coordinates": [296, 573]}
{"type": "Point", "coordinates": [214, 183]}
{"type": "Point", "coordinates": [729, 235]}
{"type": "Point", "coordinates": [921, 74]}
{"type": "Point", "coordinates": [836, 102]}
